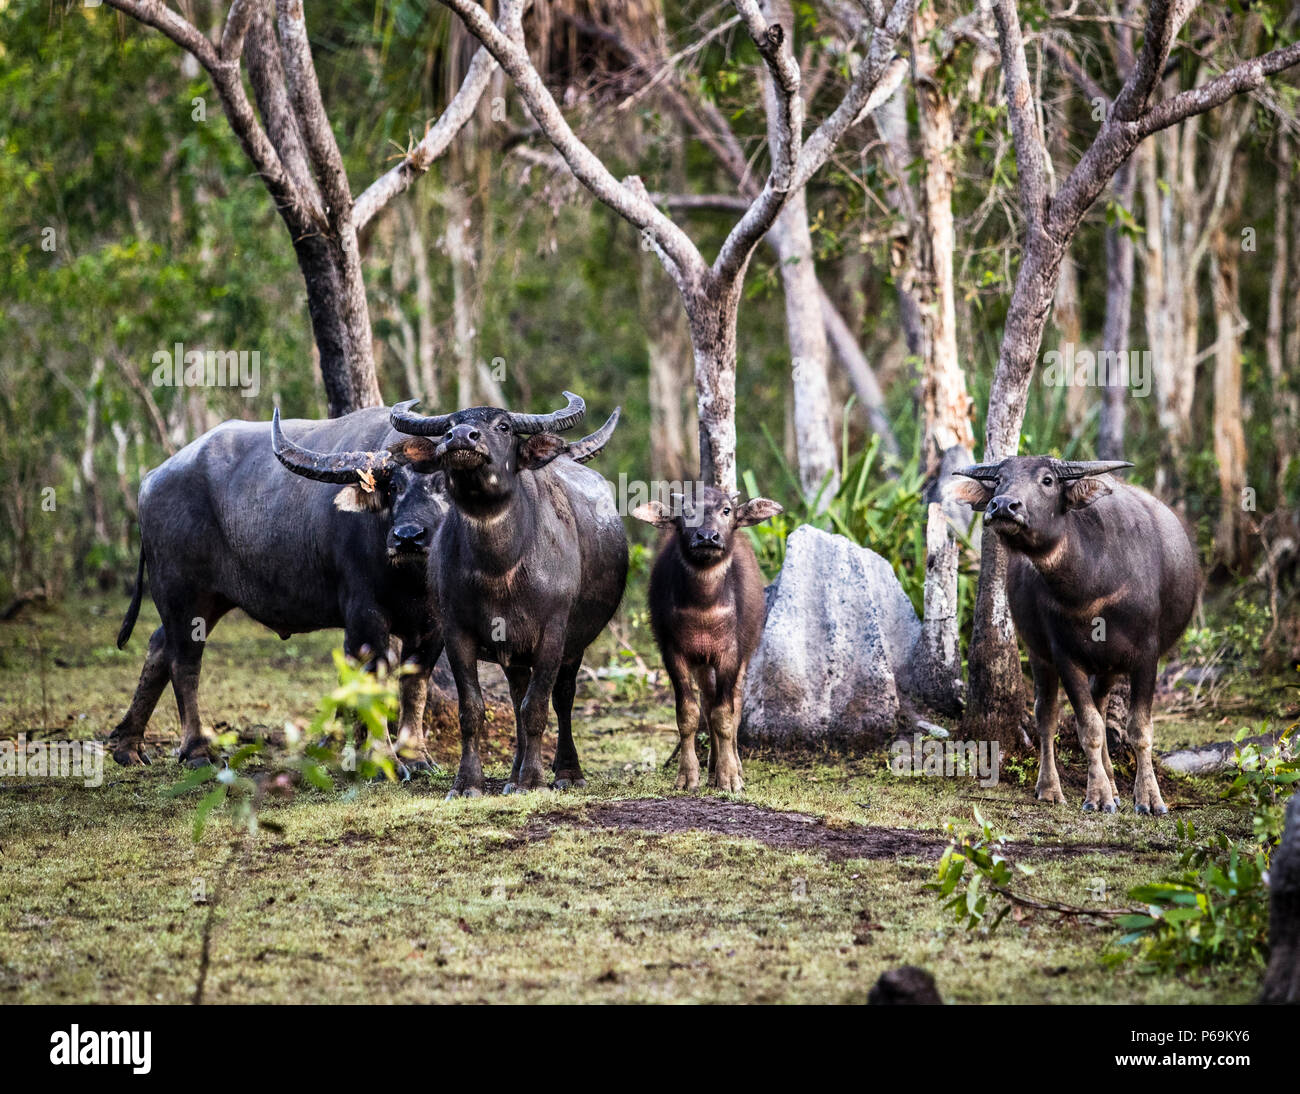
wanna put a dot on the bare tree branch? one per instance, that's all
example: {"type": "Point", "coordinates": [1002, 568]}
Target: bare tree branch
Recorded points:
{"type": "Point", "coordinates": [625, 198]}
{"type": "Point", "coordinates": [436, 140]}
{"type": "Point", "coordinates": [1031, 166]}
{"type": "Point", "coordinates": [1247, 76]}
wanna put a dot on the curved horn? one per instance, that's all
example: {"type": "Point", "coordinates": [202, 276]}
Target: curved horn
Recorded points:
{"type": "Point", "coordinates": [586, 448]}
{"type": "Point", "coordinates": [982, 472]}
{"type": "Point", "coordinates": [404, 419]}
{"type": "Point", "coordinates": [1070, 469]}
{"type": "Point", "coordinates": [556, 422]}
{"type": "Point", "coordinates": [336, 467]}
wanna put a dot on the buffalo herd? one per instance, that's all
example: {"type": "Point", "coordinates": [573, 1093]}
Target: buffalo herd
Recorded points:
{"type": "Point", "coordinates": [481, 533]}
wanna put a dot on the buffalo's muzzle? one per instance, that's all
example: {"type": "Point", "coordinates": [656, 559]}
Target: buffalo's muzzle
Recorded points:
{"type": "Point", "coordinates": [1004, 509]}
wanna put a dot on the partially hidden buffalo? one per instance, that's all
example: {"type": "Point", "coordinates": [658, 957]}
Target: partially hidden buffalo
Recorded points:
{"type": "Point", "coordinates": [223, 526]}
{"type": "Point", "coordinates": [526, 569]}
{"type": "Point", "coordinates": [706, 611]}
{"type": "Point", "coordinates": [1102, 580]}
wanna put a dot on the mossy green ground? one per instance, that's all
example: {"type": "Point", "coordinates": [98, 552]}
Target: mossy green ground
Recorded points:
{"type": "Point", "coordinates": [393, 894]}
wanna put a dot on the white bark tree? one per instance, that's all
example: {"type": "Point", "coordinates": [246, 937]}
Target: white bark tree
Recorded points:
{"type": "Point", "coordinates": [996, 706]}
{"type": "Point", "coordinates": [710, 292]}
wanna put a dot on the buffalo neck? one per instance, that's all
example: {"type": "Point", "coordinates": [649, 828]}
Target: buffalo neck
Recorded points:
{"type": "Point", "coordinates": [498, 533]}
{"type": "Point", "coordinates": [704, 584]}
{"type": "Point", "coordinates": [1070, 567]}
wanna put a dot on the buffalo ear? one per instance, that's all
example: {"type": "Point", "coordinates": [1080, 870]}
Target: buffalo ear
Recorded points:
{"type": "Point", "coordinates": [654, 512]}
{"type": "Point", "coordinates": [540, 449]}
{"type": "Point", "coordinates": [417, 452]}
{"type": "Point", "coordinates": [970, 491]}
{"type": "Point", "coordinates": [757, 510]}
{"type": "Point", "coordinates": [1081, 493]}
{"type": "Point", "coordinates": [357, 499]}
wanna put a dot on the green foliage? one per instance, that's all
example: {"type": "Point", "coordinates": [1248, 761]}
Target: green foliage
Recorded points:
{"type": "Point", "coordinates": [317, 756]}
{"type": "Point", "coordinates": [1215, 911]}
{"type": "Point", "coordinates": [975, 858]}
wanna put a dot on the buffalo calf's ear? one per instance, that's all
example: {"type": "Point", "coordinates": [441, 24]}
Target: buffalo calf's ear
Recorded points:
{"type": "Point", "coordinates": [1081, 493]}
{"type": "Point", "coordinates": [540, 449]}
{"type": "Point", "coordinates": [355, 499]}
{"type": "Point", "coordinates": [757, 510]}
{"type": "Point", "coordinates": [971, 491]}
{"type": "Point", "coordinates": [654, 512]}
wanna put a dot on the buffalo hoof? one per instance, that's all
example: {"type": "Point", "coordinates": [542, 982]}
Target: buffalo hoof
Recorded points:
{"type": "Point", "coordinates": [1147, 810]}
{"type": "Point", "coordinates": [131, 754]}
{"type": "Point", "coordinates": [1052, 797]}
{"type": "Point", "coordinates": [468, 792]}
{"type": "Point", "coordinates": [564, 782]}
{"type": "Point", "coordinates": [199, 757]}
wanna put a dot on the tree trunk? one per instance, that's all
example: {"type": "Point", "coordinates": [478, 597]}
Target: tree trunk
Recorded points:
{"type": "Point", "coordinates": [940, 670]}
{"type": "Point", "coordinates": [1229, 437]}
{"type": "Point", "coordinates": [668, 348]}
{"type": "Point", "coordinates": [805, 331]}
{"type": "Point", "coordinates": [946, 406]}
{"type": "Point", "coordinates": [1115, 337]}
{"type": "Point", "coordinates": [711, 313]}
{"type": "Point", "coordinates": [819, 473]}
{"type": "Point", "coordinates": [1069, 330]}
{"type": "Point", "coordinates": [1284, 422]}
{"type": "Point", "coordinates": [461, 257]}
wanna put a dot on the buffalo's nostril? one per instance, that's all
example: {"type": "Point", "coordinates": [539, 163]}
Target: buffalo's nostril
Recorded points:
{"type": "Point", "coordinates": [473, 434]}
{"type": "Point", "coordinates": [409, 533]}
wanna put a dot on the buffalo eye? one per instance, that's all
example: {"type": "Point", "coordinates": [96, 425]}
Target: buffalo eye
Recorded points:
{"type": "Point", "coordinates": [1047, 480]}
{"type": "Point", "coordinates": [503, 427]}
{"type": "Point", "coordinates": [726, 512]}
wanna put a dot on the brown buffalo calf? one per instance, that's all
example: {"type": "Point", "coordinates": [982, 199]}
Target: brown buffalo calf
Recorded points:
{"type": "Point", "coordinates": [706, 609]}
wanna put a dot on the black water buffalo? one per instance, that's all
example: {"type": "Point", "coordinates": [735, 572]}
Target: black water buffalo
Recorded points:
{"type": "Point", "coordinates": [527, 568]}
{"type": "Point", "coordinates": [706, 610]}
{"type": "Point", "coordinates": [223, 526]}
{"type": "Point", "coordinates": [1102, 580]}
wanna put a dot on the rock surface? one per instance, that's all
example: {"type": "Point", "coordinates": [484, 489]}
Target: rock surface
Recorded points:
{"type": "Point", "coordinates": [837, 653]}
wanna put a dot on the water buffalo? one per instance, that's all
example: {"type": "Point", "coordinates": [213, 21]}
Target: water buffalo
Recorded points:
{"type": "Point", "coordinates": [223, 526]}
{"type": "Point", "coordinates": [527, 568]}
{"type": "Point", "coordinates": [1102, 580]}
{"type": "Point", "coordinates": [706, 610]}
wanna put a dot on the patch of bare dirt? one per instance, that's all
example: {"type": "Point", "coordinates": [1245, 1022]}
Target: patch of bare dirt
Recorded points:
{"type": "Point", "coordinates": [781, 830]}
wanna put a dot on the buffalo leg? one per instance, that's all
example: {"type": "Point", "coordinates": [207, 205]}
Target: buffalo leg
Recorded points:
{"type": "Point", "coordinates": [725, 771]}
{"type": "Point", "coordinates": [1146, 791]}
{"type": "Point", "coordinates": [568, 771]}
{"type": "Point", "coordinates": [411, 744]}
{"type": "Point", "coordinates": [1101, 687]}
{"type": "Point", "coordinates": [688, 721]}
{"type": "Point", "coordinates": [518, 679]}
{"type": "Point", "coordinates": [184, 662]}
{"type": "Point", "coordinates": [127, 740]}
{"type": "Point", "coordinates": [1092, 738]}
{"type": "Point", "coordinates": [366, 639]}
{"type": "Point", "coordinates": [1047, 706]}
{"type": "Point", "coordinates": [533, 710]}
{"type": "Point", "coordinates": [463, 656]}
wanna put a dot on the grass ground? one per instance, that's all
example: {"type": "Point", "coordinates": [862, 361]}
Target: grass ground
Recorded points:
{"type": "Point", "coordinates": [624, 891]}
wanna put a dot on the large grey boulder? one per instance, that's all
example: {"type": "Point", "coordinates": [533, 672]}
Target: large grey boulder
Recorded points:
{"type": "Point", "coordinates": [837, 652]}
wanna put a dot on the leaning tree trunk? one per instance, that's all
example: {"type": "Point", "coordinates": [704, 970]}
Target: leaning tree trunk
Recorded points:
{"type": "Point", "coordinates": [1282, 980]}
{"type": "Point", "coordinates": [668, 348]}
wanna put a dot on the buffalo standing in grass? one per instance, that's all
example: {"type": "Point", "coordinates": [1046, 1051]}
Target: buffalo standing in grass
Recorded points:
{"type": "Point", "coordinates": [706, 610]}
{"type": "Point", "coordinates": [1102, 580]}
{"type": "Point", "coordinates": [223, 526]}
{"type": "Point", "coordinates": [527, 569]}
